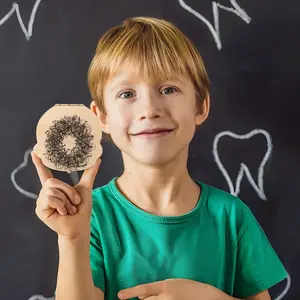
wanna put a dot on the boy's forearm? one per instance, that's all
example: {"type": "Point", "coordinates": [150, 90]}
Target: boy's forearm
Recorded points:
{"type": "Point", "coordinates": [74, 279]}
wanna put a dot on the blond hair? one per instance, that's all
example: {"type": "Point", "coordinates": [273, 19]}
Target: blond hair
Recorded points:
{"type": "Point", "coordinates": [156, 47]}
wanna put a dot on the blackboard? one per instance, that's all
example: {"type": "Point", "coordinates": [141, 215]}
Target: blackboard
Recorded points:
{"type": "Point", "coordinates": [249, 145]}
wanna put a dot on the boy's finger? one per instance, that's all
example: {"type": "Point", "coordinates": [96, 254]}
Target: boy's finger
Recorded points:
{"type": "Point", "coordinates": [43, 172]}
{"type": "Point", "coordinates": [89, 175]}
{"type": "Point", "coordinates": [142, 291]}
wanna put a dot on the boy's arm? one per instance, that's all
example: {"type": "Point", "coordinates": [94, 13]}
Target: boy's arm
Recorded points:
{"type": "Point", "coordinates": [100, 294]}
{"type": "Point", "coordinates": [74, 279]}
{"type": "Point", "coordinates": [179, 288]}
{"type": "Point", "coordinates": [261, 296]}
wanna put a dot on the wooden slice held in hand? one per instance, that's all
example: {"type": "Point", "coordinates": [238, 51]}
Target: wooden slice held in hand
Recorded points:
{"type": "Point", "coordinates": [68, 138]}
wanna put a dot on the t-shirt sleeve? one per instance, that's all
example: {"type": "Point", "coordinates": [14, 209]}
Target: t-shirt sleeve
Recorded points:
{"type": "Point", "coordinates": [258, 266]}
{"type": "Point", "coordinates": [96, 255]}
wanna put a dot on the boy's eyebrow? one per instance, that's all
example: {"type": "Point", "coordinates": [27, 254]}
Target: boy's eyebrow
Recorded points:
{"type": "Point", "coordinates": [176, 78]}
{"type": "Point", "coordinates": [118, 83]}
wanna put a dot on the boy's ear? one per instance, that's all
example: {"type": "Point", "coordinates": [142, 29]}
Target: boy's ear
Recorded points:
{"type": "Point", "coordinates": [101, 116]}
{"type": "Point", "coordinates": [202, 111]}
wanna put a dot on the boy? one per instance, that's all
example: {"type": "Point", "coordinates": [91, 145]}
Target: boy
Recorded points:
{"type": "Point", "coordinates": [154, 232]}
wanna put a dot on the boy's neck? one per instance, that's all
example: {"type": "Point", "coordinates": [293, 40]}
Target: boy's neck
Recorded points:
{"type": "Point", "coordinates": [168, 190]}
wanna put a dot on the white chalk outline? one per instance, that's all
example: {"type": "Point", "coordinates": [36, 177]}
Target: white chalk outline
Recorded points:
{"type": "Point", "coordinates": [243, 168]}
{"type": "Point", "coordinates": [40, 297]}
{"type": "Point", "coordinates": [15, 8]}
{"type": "Point", "coordinates": [285, 291]}
{"type": "Point", "coordinates": [16, 170]}
{"type": "Point", "coordinates": [215, 30]}
{"type": "Point", "coordinates": [74, 177]}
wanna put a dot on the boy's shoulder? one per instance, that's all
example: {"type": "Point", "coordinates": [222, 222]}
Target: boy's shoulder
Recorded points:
{"type": "Point", "coordinates": [102, 194]}
{"type": "Point", "coordinates": [221, 198]}
{"type": "Point", "coordinates": [225, 207]}
{"type": "Point", "coordinates": [101, 191]}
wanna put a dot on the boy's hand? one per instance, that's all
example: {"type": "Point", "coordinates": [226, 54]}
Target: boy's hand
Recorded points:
{"type": "Point", "coordinates": [174, 289]}
{"type": "Point", "coordinates": [57, 199]}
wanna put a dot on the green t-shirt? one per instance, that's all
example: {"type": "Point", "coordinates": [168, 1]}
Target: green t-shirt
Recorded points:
{"type": "Point", "coordinates": [219, 242]}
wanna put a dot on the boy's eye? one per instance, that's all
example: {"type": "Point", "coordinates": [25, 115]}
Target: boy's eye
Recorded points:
{"type": "Point", "coordinates": [127, 92]}
{"type": "Point", "coordinates": [166, 89]}
{"type": "Point", "coordinates": [169, 88]}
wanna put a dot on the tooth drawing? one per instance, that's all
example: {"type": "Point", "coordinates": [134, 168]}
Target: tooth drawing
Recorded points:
{"type": "Point", "coordinates": [74, 177]}
{"type": "Point", "coordinates": [285, 291]}
{"type": "Point", "coordinates": [215, 30]}
{"type": "Point", "coordinates": [40, 297]}
{"type": "Point", "coordinates": [16, 170]}
{"type": "Point", "coordinates": [259, 187]}
{"type": "Point", "coordinates": [15, 8]}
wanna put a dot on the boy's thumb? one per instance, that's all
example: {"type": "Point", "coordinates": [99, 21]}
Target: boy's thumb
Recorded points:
{"type": "Point", "coordinates": [89, 175]}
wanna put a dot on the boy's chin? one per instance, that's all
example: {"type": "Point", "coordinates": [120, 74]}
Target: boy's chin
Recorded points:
{"type": "Point", "coordinates": [154, 157]}
{"type": "Point", "coordinates": [158, 160]}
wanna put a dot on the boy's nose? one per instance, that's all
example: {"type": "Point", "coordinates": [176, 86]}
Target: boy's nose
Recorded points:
{"type": "Point", "coordinates": [150, 107]}
{"type": "Point", "coordinates": [151, 116]}
{"type": "Point", "coordinates": [150, 111]}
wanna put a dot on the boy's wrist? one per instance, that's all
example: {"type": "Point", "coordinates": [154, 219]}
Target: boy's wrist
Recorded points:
{"type": "Point", "coordinates": [80, 241]}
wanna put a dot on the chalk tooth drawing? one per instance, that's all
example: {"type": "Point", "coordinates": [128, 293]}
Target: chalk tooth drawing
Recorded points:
{"type": "Point", "coordinates": [40, 297]}
{"type": "Point", "coordinates": [74, 177]}
{"type": "Point", "coordinates": [14, 173]}
{"type": "Point", "coordinates": [244, 170]}
{"type": "Point", "coordinates": [215, 29]}
{"type": "Point", "coordinates": [285, 291]}
{"type": "Point", "coordinates": [16, 9]}
{"type": "Point", "coordinates": [259, 188]}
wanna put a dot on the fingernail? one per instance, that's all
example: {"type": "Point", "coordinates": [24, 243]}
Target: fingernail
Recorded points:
{"type": "Point", "coordinates": [120, 295]}
{"type": "Point", "coordinates": [73, 209]}
{"type": "Point", "coordinates": [77, 199]}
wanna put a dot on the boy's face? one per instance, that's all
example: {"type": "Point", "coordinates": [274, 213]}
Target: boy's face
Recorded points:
{"type": "Point", "coordinates": [137, 105]}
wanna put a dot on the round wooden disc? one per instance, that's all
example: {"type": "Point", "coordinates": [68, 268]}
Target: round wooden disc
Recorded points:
{"type": "Point", "coordinates": [68, 138]}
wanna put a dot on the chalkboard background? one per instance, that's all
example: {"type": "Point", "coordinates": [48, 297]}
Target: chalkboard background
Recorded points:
{"type": "Point", "coordinates": [253, 63]}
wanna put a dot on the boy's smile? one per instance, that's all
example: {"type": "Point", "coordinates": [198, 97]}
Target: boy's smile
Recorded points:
{"type": "Point", "coordinates": [153, 133]}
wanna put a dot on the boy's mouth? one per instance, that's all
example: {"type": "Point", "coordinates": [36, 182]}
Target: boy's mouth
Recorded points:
{"type": "Point", "coordinates": [154, 132]}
